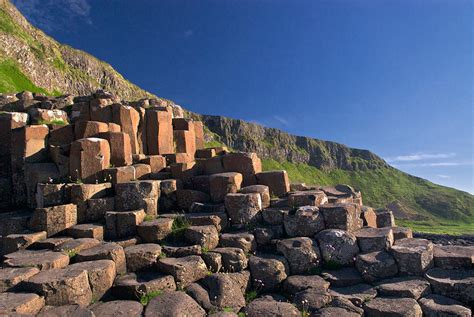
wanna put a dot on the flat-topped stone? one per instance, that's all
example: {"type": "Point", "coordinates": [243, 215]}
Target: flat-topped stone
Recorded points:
{"type": "Point", "coordinates": [337, 246]}
{"type": "Point", "coordinates": [142, 257]}
{"type": "Point", "coordinates": [116, 308]}
{"type": "Point", "coordinates": [105, 251]}
{"type": "Point", "coordinates": [436, 305]}
{"type": "Point", "coordinates": [61, 287]}
{"type": "Point", "coordinates": [343, 277]}
{"type": "Point", "coordinates": [453, 256]}
{"type": "Point", "coordinates": [185, 270]}
{"type": "Point", "coordinates": [411, 287]}
{"type": "Point", "coordinates": [265, 307]}
{"type": "Point", "coordinates": [155, 230]}
{"type": "Point", "coordinates": [457, 284]}
{"type": "Point", "coordinates": [174, 303]}
{"type": "Point", "coordinates": [297, 283]}
{"type": "Point", "coordinates": [376, 265]}
{"type": "Point", "coordinates": [396, 307]}
{"type": "Point", "coordinates": [374, 239]}
{"type": "Point", "coordinates": [311, 300]}
{"type": "Point", "coordinates": [305, 221]}
{"type": "Point", "coordinates": [49, 243]}
{"type": "Point", "coordinates": [269, 271]}
{"type": "Point", "coordinates": [205, 236]}
{"type": "Point", "coordinates": [14, 304]}
{"type": "Point", "coordinates": [65, 310]}
{"type": "Point", "coordinates": [77, 245]}
{"type": "Point", "coordinates": [135, 285]}
{"type": "Point", "coordinates": [43, 260]}
{"type": "Point", "coordinates": [21, 241]}
{"type": "Point", "coordinates": [242, 240]}
{"type": "Point", "coordinates": [302, 254]}
{"type": "Point", "coordinates": [101, 275]}
{"type": "Point", "coordinates": [233, 259]}
{"type": "Point", "coordinates": [9, 277]}
{"type": "Point", "coordinates": [357, 294]}
{"type": "Point", "coordinates": [87, 230]}
{"type": "Point", "coordinates": [413, 256]}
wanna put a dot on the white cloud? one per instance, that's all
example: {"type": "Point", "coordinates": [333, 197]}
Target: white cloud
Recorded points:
{"type": "Point", "coordinates": [443, 176]}
{"type": "Point", "coordinates": [188, 33]}
{"type": "Point", "coordinates": [420, 157]}
{"type": "Point", "coordinates": [281, 120]}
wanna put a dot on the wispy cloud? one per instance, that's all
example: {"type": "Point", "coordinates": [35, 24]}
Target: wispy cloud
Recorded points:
{"type": "Point", "coordinates": [420, 157]}
{"type": "Point", "coordinates": [188, 33]}
{"type": "Point", "coordinates": [443, 176]}
{"type": "Point", "coordinates": [54, 15]}
{"type": "Point", "coordinates": [281, 120]}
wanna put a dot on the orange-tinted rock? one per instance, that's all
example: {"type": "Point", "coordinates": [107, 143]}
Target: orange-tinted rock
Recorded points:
{"type": "Point", "coordinates": [129, 119]}
{"type": "Point", "coordinates": [277, 181]}
{"type": "Point", "coordinates": [55, 219]}
{"type": "Point", "coordinates": [199, 133]}
{"type": "Point", "coordinates": [88, 129]}
{"type": "Point", "coordinates": [88, 158]}
{"type": "Point", "coordinates": [159, 132]}
{"type": "Point", "coordinates": [157, 163]}
{"type": "Point", "coordinates": [185, 141]}
{"type": "Point", "coordinates": [120, 148]}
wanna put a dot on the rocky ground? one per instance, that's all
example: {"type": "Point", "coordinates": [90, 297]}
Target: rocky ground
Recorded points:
{"type": "Point", "coordinates": [120, 210]}
{"type": "Point", "coordinates": [447, 239]}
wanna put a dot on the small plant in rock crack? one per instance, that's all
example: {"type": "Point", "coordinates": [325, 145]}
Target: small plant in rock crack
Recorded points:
{"type": "Point", "coordinates": [180, 224]}
{"type": "Point", "coordinates": [149, 218]}
{"type": "Point", "coordinates": [228, 309]}
{"type": "Point", "coordinates": [305, 308]}
{"type": "Point", "coordinates": [71, 252]}
{"type": "Point", "coordinates": [146, 298]}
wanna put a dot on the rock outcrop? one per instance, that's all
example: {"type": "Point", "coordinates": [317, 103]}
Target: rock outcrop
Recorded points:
{"type": "Point", "coordinates": [184, 230]}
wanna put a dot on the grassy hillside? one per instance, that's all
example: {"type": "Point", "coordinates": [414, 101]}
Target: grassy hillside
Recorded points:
{"type": "Point", "coordinates": [420, 204]}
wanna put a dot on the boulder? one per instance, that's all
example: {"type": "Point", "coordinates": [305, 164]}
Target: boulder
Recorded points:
{"type": "Point", "coordinates": [277, 181]}
{"type": "Point", "coordinates": [186, 197]}
{"type": "Point", "coordinates": [303, 222]}
{"type": "Point", "coordinates": [244, 241]}
{"type": "Point", "coordinates": [173, 303]}
{"type": "Point", "coordinates": [20, 304]}
{"type": "Point", "coordinates": [337, 246]}
{"type": "Point", "coordinates": [263, 307]}
{"type": "Point", "coordinates": [342, 277]}
{"type": "Point", "coordinates": [155, 230]}
{"type": "Point", "coordinates": [373, 239]}
{"type": "Point", "coordinates": [213, 261]}
{"type": "Point", "coordinates": [55, 219]}
{"type": "Point", "coordinates": [298, 283]}
{"type": "Point", "coordinates": [247, 164]}
{"type": "Point", "coordinates": [129, 119]}
{"type": "Point", "coordinates": [456, 284]}
{"type": "Point", "coordinates": [453, 256]}
{"type": "Point", "coordinates": [10, 277]}
{"type": "Point", "coordinates": [436, 305]}
{"type": "Point", "coordinates": [223, 183]}
{"type": "Point", "coordinates": [142, 257]}
{"type": "Point", "coordinates": [122, 224]}
{"type": "Point", "coordinates": [342, 216]}
{"type": "Point", "coordinates": [185, 270]}
{"type": "Point", "coordinates": [65, 310]}
{"type": "Point", "coordinates": [136, 285]}
{"type": "Point", "coordinates": [61, 287]}
{"type": "Point", "coordinates": [311, 300]}
{"type": "Point", "coordinates": [43, 260]}
{"type": "Point", "coordinates": [262, 190]}
{"type": "Point", "coordinates": [106, 251]}
{"type": "Point", "coordinates": [376, 265]}
{"type": "Point", "coordinates": [159, 131]}
{"type": "Point", "coordinates": [302, 254]}
{"type": "Point", "coordinates": [307, 198]}
{"type": "Point", "coordinates": [414, 256]}
{"type": "Point", "coordinates": [268, 271]}
{"type": "Point", "coordinates": [87, 230]}
{"type": "Point", "coordinates": [120, 148]}
{"type": "Point", "coordinates": [224, 291]}
{"type": "Point", "coordinates": [233, 259]}
{"type": "Point", "coordinates": [88, 157]}
{"type": "Point", "coordinates": [385, 218]}
{"type": "Point", "coordinates": [101, 275]}
{"type": "Point", "coordinates": [356, 294]}
{"type": "Point", "coordinates": [206, 236]}
{"type": "Point", "coordinates": [243, 208]}
{"type": "Point", "coordinates": [412, 287]}
{"type": "Point", "coordinates": [115, 308]}
{"type": "Point", "coordinates": [71, 247]}
{"type": "Point", "coordinates": [396, 307]}
{"type": "Point", "coordinates": [138, 195]}
{"type": "Point", "coordinates": [21, 241]}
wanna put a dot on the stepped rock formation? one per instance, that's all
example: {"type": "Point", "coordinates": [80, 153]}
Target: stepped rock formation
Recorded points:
{"type": "Point", "coordinates": [31, 60]}
{"type": "Point", "coordinates": [169, 227]}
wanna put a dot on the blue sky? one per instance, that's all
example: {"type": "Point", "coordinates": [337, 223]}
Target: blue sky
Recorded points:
{"type": "Point", "coordinates": [394, 77]}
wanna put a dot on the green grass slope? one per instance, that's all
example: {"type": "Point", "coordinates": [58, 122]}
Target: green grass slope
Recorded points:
{"type": "Point", "coordinates": [418, 203]}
